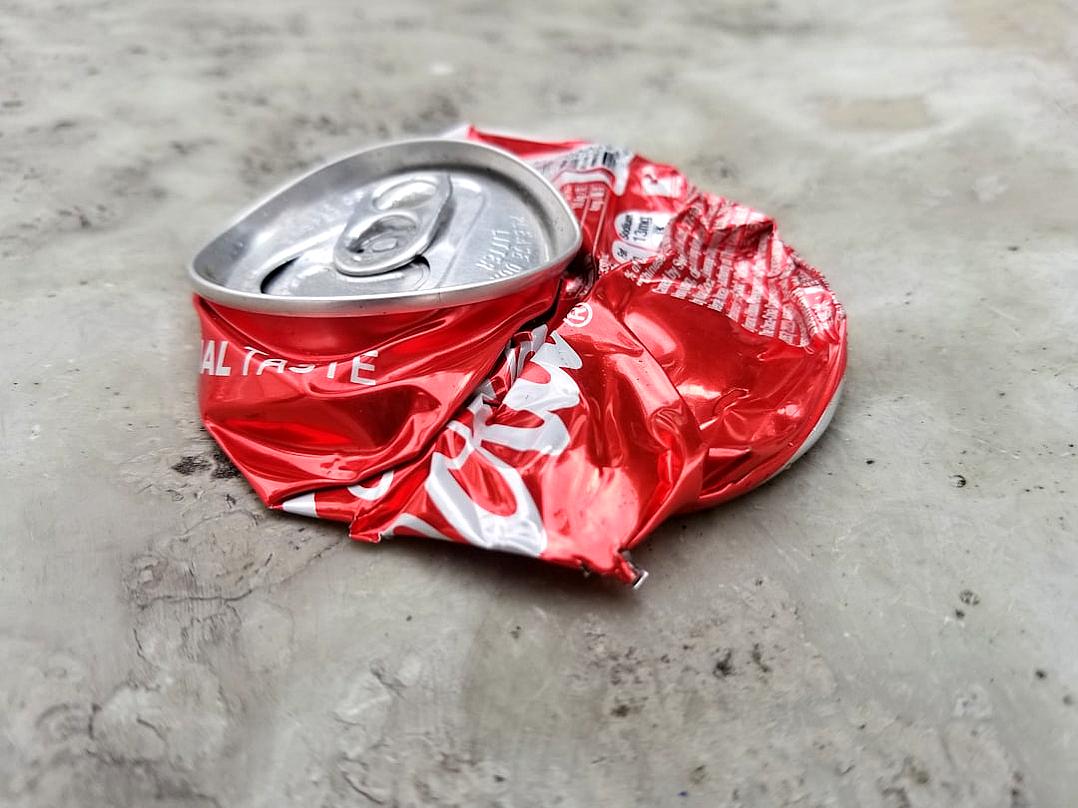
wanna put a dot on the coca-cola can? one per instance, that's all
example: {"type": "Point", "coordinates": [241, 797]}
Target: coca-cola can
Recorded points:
{"type": "Point", "coordinates": [349, 315]}
{"type": "Point", "coordinates": [403, 341]}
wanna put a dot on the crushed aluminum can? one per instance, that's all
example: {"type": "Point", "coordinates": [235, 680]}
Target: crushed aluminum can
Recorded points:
{"type": "Point", "coordinates": [349, 315]}
{"type": "Point", "coordinates": [701, 358]}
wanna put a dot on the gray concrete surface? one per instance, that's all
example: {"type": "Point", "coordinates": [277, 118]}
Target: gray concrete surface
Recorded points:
{"type": "Point", "coordinates": [864, 631]}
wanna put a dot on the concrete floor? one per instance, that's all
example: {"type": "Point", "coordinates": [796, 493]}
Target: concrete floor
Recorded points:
{"type": "Point", "coordinates": [898, 612]}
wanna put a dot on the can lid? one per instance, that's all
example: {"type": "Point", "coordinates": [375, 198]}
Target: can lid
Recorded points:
{"type": "Point", "coordinates": [399, 227]}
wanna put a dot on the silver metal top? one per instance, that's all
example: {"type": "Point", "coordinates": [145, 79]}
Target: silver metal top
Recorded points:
{"type": "Point", "coordinates": [404, 226]}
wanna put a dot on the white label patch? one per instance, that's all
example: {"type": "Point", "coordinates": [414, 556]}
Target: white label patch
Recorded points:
{"type": "Point", "coordinates": [594, 163]}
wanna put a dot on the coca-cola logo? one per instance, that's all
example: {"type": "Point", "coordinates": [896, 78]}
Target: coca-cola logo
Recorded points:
{"type": "Point", "coordinates": [521, 530]}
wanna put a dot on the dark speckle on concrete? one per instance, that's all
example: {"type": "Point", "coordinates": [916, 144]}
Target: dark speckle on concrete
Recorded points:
{"type": "Point", "coordinates": [223, 467]}
{"type": "Point", "coordinates": [758, 659]}
{"type": "Point", "coordinates": [724, 665]}
{"type": "Point", "coordinates": [189, 464]}
{"type": "Point", "coordinates": [969, 597]}
{"type": "Point", "coordinates": [916, 772]}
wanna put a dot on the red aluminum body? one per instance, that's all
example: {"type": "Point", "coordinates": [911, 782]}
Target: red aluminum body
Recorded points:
{"type": "Point", "coordinates": [306, 402]}
{"type": "Point", "coordinates": [698, 360]}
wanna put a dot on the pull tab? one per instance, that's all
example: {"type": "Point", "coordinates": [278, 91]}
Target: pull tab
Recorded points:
{"type": "Point", "coordinates": [393, 225]}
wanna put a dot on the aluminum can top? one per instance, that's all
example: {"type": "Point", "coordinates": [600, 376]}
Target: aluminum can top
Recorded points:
{"type": "Point", "coordinates": [405, 226]}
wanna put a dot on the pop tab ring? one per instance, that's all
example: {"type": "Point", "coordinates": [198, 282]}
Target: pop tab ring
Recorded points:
{"type": "Point", "coordinates": [406, 226]}
{"type": "Point", "coordinates": [393, 224]}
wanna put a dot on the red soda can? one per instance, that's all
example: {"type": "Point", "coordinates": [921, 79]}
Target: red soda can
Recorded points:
{"type": "Point", "coordinates": [349, 315]}
{"type": "Point", "coordinates": [553, 415]}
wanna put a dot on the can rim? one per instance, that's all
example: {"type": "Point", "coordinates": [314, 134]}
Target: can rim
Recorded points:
{"type": "Point", "coordinates": [409, 300]}
{"type": "Point", "coordinates": [814, 435]}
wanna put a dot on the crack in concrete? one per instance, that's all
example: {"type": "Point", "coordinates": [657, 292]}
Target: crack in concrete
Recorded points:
{"type": "Point", "coordinates": [178, 598]}
{"type": "Point", "coordinates": [363, 792]}
{"type": "Point", "coordinates": [140, 652]}
{"type": "Point", "coordinates": [197, 598]}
